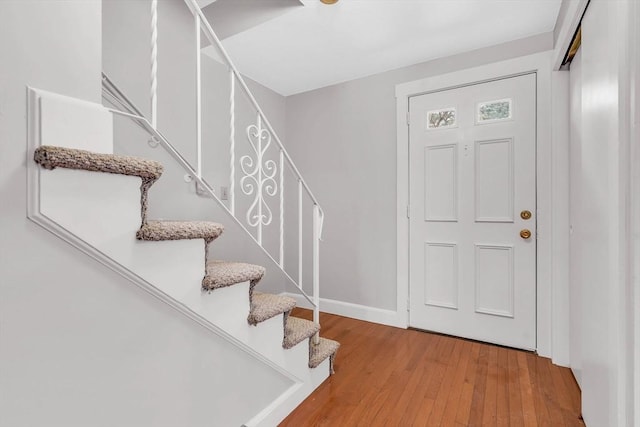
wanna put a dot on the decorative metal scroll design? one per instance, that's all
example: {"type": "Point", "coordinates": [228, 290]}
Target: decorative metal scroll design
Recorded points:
{"type": "Point", "coordinates": [259, 177]}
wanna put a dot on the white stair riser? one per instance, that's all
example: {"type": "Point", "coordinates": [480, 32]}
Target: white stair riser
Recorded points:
{"type": "Point", "coordinates": [226, 307]}
{"type": "Point", "coordinates": [75, 123]}
{"type": "Point", "coordinates": [103, 210]}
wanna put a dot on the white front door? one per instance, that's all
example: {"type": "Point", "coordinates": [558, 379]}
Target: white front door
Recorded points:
{"type": "Point", "coordinates": [472, 200]}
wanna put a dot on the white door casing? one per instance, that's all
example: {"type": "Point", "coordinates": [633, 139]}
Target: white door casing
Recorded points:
{"type": "Point", "coordinates": [471, 274]}
{"type": "Point", "coordinates": [546, 176]}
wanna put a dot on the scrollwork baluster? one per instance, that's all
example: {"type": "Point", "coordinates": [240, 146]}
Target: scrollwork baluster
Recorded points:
{"type": "Point", "coordinates": [259, 177]}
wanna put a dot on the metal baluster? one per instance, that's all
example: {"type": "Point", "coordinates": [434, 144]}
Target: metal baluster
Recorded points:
{"type": "Point", "coordinates": [198, 103]}
{"type": "Point", "coordinates": [154, 63]}
{"type": "Point", "coordinates": [281, 209]}
{"type": "Point", "coordinates": [259, 162]}
{"type": "Point", "coordinates": [259, 177]}
{"type": "Point", "coordinates": [316, 269]}
{"type": "Point", "coordinates": [300, 233]}
{"type": "Point", "coordinates": [232, 140]}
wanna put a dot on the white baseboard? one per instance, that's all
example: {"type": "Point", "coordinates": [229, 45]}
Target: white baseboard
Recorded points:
{"type": "Point", "coordinates": [355, 311]}
{"type": "Point", "coordinates": [280, 408]}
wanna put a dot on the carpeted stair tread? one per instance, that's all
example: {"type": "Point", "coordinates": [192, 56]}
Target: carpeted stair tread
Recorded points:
{"type": "Point", "coordinates": [297, 330]}
{"type": "Point", "coordinates": [220, 274]}
{"type": "Point", "coordinates": [325, 348]}
{"type": "Point", "coordinates": [179, 230]}
{"type": "Point", "coordinates": [50, 157]}
{"type": "Point", "coordinates": [266, 306]}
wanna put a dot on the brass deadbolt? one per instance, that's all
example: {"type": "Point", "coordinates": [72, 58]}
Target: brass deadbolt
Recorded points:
{"type": "Point", "coordinates": [525, 234]}
{"type": "Point", "coordinates": [525, 215]}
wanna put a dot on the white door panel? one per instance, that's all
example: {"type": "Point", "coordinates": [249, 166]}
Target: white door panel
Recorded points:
{"type": "Point", "coordinates": [440, 183]}
{"type": "Point", "coordinates": [472, 172]}
{"type": "Point", "coordinates": [493, 180]}
{"type": "Point", "coordinates": [441, 274]}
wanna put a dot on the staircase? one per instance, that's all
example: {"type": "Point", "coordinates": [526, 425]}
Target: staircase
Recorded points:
{"type": "Point", "coordinates": [99, 202]}
{"type": "Point", "coordinates": [218, 274]}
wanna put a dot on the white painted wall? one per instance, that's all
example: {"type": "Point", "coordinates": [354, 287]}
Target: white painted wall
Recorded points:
{"type": "Point", "coordinates": [126, 51]}
{"type": "Point", "coordinates": [577, 236]}
{"type": "Point", "coordinates": [630, 90]}
{"type": "Point", "coordinates": [80, 345]}
{"type": "Point", "coordinates": [634, 158]}
{"type": "Point", "coordinates": [602, 314]}
{"type": "Point", "coordinates": [560, 315]}
{"type": "Point", "coordinates": [343, 139]}
{"type": "Point", "coordinates": [599, 146]}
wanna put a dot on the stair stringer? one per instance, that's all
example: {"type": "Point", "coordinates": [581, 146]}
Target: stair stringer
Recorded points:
{"type": "Point", "coordinates": [99, 214]}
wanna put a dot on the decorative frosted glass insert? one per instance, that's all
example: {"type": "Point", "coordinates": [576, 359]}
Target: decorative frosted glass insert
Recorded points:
{"type": "Point", "coordinates": [494, 110]}
{"type": "Point", "coordinates": [441, 118]}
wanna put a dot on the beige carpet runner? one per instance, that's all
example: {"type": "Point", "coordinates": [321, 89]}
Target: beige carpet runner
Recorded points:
{"type": "Point", "coordinates": [218, 274]}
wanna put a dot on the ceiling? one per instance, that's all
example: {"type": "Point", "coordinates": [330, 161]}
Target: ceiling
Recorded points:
{"type": "Point", "coordinates": [229, 17]}
{"type": "Point", "coordinates": [305, 48]}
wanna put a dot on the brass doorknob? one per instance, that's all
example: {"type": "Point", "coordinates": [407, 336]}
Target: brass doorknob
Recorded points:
{"type": "Point", "coordinates": [525, 234]}
{"type": "Point", "coordinates": [525, 215]}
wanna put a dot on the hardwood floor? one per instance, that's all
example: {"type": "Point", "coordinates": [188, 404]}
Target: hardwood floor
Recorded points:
{"type": "Point", "coordinates": [392, 377]}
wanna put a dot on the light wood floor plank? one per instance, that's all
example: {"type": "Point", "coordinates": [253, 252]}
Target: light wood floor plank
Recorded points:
{"type": "Point", "coordinates": [516, 415]}
{"type": "Point", "coordinates": [466, 396]}
{"type": "Point", "coordinates": [502, 385]}
{"type": "Point", "coordinates": [526, 392]}
{"type": "Point", "coordinates": [445, 386]}
{"type": "Point", "coordinates": [479, 388]}
{"type": "Point", "coordinates": [491, 394]}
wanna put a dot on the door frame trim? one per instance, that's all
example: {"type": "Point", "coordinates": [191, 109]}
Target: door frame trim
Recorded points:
{"type": "Point", "coordinates": [541, 65]}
